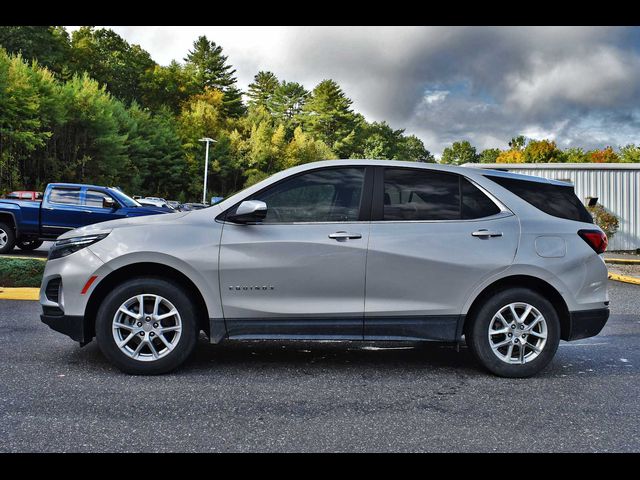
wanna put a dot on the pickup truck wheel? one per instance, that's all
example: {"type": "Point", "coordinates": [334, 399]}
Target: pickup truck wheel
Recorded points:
{"type": "Point", "coordinates": [515, 333]}
{"type": "Point", "coordinates": [28, 245]}
{"type": "Point", "coordinates": [147, 326]}
{"type": "Point", "coordinates": [7, 238]}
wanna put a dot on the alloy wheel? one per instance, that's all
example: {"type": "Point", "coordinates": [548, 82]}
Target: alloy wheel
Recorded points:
{"type": "Point", "coordinates": [517, 333]}
{"type": "Point", "coordinates": [147, 327]}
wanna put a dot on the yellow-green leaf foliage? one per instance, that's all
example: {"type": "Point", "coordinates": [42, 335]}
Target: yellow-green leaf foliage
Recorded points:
{"type": "Point", "coordinates": [541, 151]}
{"type": "Point", "coordinates": [510, 156]}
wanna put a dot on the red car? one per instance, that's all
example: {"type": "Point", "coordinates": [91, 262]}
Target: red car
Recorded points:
{"type": "Point", "coordinates": [25, 195]}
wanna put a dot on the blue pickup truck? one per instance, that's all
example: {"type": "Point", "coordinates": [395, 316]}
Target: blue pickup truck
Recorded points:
{"type": "Point", "coordinates": [64, 206]}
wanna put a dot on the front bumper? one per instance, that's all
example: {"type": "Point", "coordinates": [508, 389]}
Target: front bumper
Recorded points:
{"type": "Point", "coordinates": [75, 327]}
{"type": "Point", "coordinates": [585, 323]}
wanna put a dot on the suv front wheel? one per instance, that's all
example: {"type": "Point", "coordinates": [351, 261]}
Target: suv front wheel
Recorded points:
{"type": "Point", "coordinates": [515, 333]}
{"type": "Point", "coordinates": [147, 326]}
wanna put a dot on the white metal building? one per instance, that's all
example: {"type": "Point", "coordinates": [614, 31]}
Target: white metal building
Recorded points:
{"type": "Point", "coordinates": [617, 186]}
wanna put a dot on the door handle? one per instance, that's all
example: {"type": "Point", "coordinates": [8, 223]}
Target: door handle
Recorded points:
{"type": "Point", "coordinates": [344, 235]}
{"type": "Point", "coordinates": [483, 233]}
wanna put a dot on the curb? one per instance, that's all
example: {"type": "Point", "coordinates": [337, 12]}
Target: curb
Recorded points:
{"type": "Point", "coordinates": [624, 278]}
{"type": "Point", "coordinates": [20, 293]}
{"type": "Point", "coordinates": [622, 261]}
{"type": "Point", "coordinates": [23, 258]}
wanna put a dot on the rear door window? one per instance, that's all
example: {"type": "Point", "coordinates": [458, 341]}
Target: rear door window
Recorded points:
{"type": "Point", "coordinates": [416, 195]}
{"type": "Point", "coordinates": [557, 200]}
{"type": "Point", "coordinates": [412, 194]}
{"type": "Point", "coordinates": [65, 196]}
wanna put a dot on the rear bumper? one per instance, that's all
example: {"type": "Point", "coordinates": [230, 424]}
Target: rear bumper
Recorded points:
{"type": "Point", "coordinates": [74, 327]}
{"type": "Point", "coordinates": [586, 323]}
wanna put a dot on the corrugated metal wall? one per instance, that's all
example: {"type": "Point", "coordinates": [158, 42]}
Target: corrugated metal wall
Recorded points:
{"type": "Point", "coordinates": [617, 189]}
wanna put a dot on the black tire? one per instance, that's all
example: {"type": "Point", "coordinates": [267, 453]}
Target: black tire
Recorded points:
{"type": "Point", "coordinates": [10, 242]}
{"type": "Point", "coordinates": [29, 245]}
{"type": "Point", "coordinates": [171, 291]}
{"type": "Point", "coordinates": [477, 333]}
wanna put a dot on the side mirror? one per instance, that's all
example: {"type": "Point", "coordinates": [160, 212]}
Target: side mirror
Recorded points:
{"type": "Point", "coordinates": [249, 211]}
{"type": "Point", "coordinates": [108, 202]}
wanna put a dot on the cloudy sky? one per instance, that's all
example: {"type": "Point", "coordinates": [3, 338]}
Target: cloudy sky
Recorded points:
{"type": "Point", "coordinates": [579, 86]}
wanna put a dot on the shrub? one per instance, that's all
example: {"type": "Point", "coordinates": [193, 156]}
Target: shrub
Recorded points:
{"type": "Point", "coordinates": [21, 272]}
{"type": "Point", "coordinates": [606, 220]}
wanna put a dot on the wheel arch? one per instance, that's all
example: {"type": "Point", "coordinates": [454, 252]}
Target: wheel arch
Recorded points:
{"type": "Point", "coordinates": [144, 269]}
{"type": "Point", "coordinates": [10, 219]}
{"type": "Point", "coordinates": [526, 281]}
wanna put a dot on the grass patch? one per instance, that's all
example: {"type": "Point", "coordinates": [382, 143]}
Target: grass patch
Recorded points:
{"type": "Point", "coordinates": [21, 272]}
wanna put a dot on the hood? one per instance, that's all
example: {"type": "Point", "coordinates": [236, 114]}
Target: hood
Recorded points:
{"type": "Point", "coordinates": [104, 227]}
{"type": "Point", "coordinates": [149, 210]}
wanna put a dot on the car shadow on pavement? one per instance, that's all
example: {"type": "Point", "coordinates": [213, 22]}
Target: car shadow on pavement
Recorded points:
{"type": "Point", "coordinates": [312, 356]}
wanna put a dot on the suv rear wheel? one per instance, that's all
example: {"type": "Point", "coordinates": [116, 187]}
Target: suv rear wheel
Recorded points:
{"type": "Point", "coordinates": [515, 333]}
{"type": "Point", "coordinates": [147, 326]}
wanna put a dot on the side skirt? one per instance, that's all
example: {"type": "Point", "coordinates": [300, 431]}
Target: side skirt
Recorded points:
{"type": "Point", "coordinates": [444, 328]}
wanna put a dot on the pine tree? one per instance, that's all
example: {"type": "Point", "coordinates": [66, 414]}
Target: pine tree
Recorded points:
{"type": "Point", "coordinates": [212, 71]}
{"type": "Point", "coordinates": [287, 100]}
{"type": "Point", "coordinates": [262, 88]}
{"type": "Point", "coordinates": [327, 115]}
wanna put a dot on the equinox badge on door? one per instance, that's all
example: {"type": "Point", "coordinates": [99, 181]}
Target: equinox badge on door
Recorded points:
{"type": "Point", "coordinates": [252, 287]}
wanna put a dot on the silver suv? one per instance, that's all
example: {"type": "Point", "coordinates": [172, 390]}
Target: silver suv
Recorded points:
{"type": "Point", "coordinates": [341, 250]}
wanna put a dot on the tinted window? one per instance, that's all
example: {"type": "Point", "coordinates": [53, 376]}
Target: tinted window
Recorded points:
{"type": "Point", "coordinates": [65, 195]}
{"type": "Point", "coordinates": [556, 200]}
{"type": "Point", "coordinates": [38, 196]}
{"type": "Point", "coordinates": [417, 195]}
{"type": "Point", "coordinates": [14, 196]}
{"type": "Point", "coordinates": [94, 198]}
{"type": "Point", "coordinates": [475, 204]}
{"type": "Point", "coordinates": [329, 195]}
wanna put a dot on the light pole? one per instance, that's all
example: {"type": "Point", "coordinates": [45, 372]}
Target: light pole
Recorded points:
{"type": "Point", "coordinates": [206, 167]}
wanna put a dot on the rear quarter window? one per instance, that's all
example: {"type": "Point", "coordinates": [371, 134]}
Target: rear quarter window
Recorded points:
{"type": "Point", "coordinates": [556, 200]}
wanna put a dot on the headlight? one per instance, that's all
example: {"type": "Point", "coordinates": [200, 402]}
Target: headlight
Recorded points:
{"type": "Point", "coordinates": [62, 248]}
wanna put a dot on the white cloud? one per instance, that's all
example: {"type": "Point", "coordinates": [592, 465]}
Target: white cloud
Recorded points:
{"type": "Point", "coordinates": [435, 96]}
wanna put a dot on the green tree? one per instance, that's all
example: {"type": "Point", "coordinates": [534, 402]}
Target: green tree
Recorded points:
{"type": "Point", "coordinates": [210, 70]}
{"type": "Point", "coordinates": [167, 86]}
{"type": "Point", "coordinates": [23, 124]}
{"type": "Point", "coordinates": [518, 143]}
{"type": "Point", "coordinates": [542, 151]}
{"type": "Point", "coordinates": [94, 147]}
{"type": "Point", "coordinates": [630, 153]}
{"type": "Point", "coordinates": [49, 45]}
{"type": "Point", "coordinates": [327, 115]}
{"type": "Point", "coordinates": [111, 60]}
{"type": "Point", "coordinates": [459, 153]}
{"type": "Point", "coordinates": [287, 101]}
{"type": "Point", "coordinates": [262, 89]}
{"type": "Point", "coordinates": [489, 155]}
{"type": "Point", "coordinates": [154, 149]}
{"type": "Point", "coordinates": [304, 149]}
{"type": "Point", "coordinates": [412, 149]}
{"type": "Point", "coordinates": [574, 155]}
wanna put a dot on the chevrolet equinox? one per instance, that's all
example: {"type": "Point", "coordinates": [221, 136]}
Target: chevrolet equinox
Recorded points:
{"type": "Point", "coordinates": [341, 250]}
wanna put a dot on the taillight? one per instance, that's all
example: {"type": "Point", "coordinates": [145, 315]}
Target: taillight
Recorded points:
{"type": "Point", "coordinates": [596, 239]}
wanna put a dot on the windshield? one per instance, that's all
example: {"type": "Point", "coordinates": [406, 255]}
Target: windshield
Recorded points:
{"type": "Point", "coordinates": [124, 198]}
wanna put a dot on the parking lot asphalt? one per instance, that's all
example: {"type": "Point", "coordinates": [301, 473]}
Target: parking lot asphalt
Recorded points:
{"type": "Point", "coordinates": [40, 252]}
{"type": "Point", "coordinates": [300, 396]}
